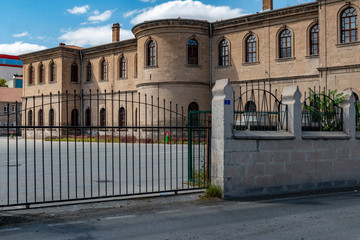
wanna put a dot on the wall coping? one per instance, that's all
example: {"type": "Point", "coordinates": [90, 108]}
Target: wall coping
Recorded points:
{"type": "Point", "coordinates": [264, 135]}
{"type": "Point", "coordinates": [325, 135]}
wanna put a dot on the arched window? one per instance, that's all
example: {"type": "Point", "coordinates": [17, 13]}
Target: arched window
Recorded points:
{"type": "Point", "coordinates": [104, 70]}
{"type": "Point", "coordinates": [74, 117]}
{"type": "Point", "coordinates": [89, 72]}
{"type": "Point", "coordinates": [88, 117]}
{"type": "Point", "coordinates": [349, 25]}
{"type": "Point", "coordinates": [31, 74]}
{"type": "Point", "coordinates": [224, 53]}
{"type": "Point", "coordinates": [194, 117]}
{"type": "Point", "coordinates": [122, 67]}
{"type": "Point", "coordinates": [314, 40]}
{"type": "Point", "coordinates": [250, 106]}
{"type": "Point", "coordinates": [193, 52]}
{"type": "Point", "coordinates": [102, 117]}
{"type": "Point", "coordinates": [41, 118]}
{"type": "Point", "coordinates": [285, 44]}
{"type": "Point", "coordinates": [51, 117]}
{"type": "Point", "coordinates": [251, 49]}
{"type": "Point", "coordinates": [122, 117]}
{"type": "Point", "coordinates": [52, 72]}
{"type": "Point", "coordinates": [151, 58]}
{"type": "Point", "coordinates": [74, 72]}
{"type": "Point", "coordinates": [30, 118]}
{"type": "Point", "coordinates": [41, 73]}
{"type": "Point", "coordinates": [135, 66]}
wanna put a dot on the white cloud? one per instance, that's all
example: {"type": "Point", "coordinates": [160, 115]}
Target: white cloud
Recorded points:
{"type": "Point", "coordinates": [92, 36]}
{"type": "Point", "coordinates": [133, 12]}
{"type": "Point", "coordinates": [79, 10]}
{"type": "Point", "coordinates": [186, 9]}
{"type": "Point", "coordinates": [23, 34]}
{"type": "Point", "coordinates": [20, 47]}
{"type": "Point", "coordinates": [101, 17]}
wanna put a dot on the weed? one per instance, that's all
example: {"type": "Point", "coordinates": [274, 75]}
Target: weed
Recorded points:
{"type": "Point", "coordinates": [212, 191]}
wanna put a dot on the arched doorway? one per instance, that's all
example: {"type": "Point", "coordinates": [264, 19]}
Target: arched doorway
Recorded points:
{"type": "Point", "coordinates": [193, 115]}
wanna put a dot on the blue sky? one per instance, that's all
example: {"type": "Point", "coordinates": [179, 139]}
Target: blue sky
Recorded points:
{"type": "Point", "coordinates": [34, 25]}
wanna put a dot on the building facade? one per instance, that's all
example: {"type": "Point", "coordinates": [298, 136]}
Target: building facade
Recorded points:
{"type": "Point", "coordinates": [313, 44]}
{"type": "Point", "coordinates": [10, 109]}
{"type": "Point", "coordinates": [15, 82]}
{"type": "Point", "coordinates": [10, 66]}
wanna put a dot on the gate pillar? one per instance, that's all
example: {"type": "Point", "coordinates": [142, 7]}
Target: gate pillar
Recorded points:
{"type": "Point", "coordinates": [222, 130]}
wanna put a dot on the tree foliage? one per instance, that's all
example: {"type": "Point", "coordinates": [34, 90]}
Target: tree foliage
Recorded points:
{"type": "Point", "coordinates": [323, 109]}
{"type": "Point", "coordinates": [3, 83]}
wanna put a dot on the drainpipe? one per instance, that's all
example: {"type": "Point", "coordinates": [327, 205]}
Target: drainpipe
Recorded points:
{"type": "Point", "coordinates": [210, 69]}
{"type": "Point", "coordinates": [82, 89]}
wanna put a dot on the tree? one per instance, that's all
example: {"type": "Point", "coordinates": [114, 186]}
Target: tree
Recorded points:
{"type": "Point", "coordinates": [3, 83]}
{"type": "Point", "coordinates": [323, 109]}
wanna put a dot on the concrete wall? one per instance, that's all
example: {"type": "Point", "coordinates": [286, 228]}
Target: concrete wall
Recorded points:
{"type": "Point", "coordinates": [246, 163]}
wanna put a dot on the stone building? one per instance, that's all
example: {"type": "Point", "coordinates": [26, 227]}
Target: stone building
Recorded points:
{"type": "Point", "coordinates": [312, 44]}
{"type": "Point", "coordinates": [10, 109]}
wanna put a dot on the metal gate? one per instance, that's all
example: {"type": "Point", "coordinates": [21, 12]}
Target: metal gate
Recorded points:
{"type": "Point", "coordinates": [94, 146]}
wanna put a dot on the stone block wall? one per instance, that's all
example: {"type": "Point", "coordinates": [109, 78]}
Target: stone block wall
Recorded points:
{"type": "Point", "coordinates": [246, 163]}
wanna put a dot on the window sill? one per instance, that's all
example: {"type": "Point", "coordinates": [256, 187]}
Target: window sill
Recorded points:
{"type": "Point", "coordinates": [350, 44]}
{"type": "Point", "coordinates": [325, 135]}
{"type": "Point", "coordinates": [88, 82]}
{"type": "Point", "coordinates": [222, 67]}
{"type": "Point", "coordinates": [31, 85]}
{"type": "Point", "coordinates": [289, 59]}
{"type": "Point", "coordinates": [312, 56]}
{"type": "Point", "coordinates": [74, 82]}
{"type": "Point", "coordinates": [125, 78]}
{"type": "Point", "coordinates": [150, 67]}
{"type": "Point", "coordinates": [250, 63]}
{"type": "Point", "coordinates": [192, 65]}
{"type": "Point", "coordinates": [53, 82]}
{"type": "Point", "coordinates": [40, 84]}
{"type": "Point", "coordinates": [264, 135]}
{"type": "Point", "coordinates": [103, 81]}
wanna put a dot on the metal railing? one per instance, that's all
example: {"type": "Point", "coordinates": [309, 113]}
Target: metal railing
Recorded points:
{"type": "Point", "coordinates": [320, 111]}
{"type": "Point", "coordinates": [357, 108]}
{"type": "Point", "coordinates": [125, 144]}
{"type": "Point", "coordinates": [258, 109]}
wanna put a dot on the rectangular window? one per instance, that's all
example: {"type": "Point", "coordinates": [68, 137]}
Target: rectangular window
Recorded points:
{"type": "Point", "coordinates": [6, 109]}
{"type": "Point", "coordinates": [5, 124]}
{"type": "Point", "coordinates": [13, 108]}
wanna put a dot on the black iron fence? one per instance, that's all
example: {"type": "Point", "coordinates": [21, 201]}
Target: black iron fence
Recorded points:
{"type": "Point", "coordinates": [89, 146]}
{"type": "Point", "coordinates": [357, 108]}
{"type": "Point", "coordinates": [258, 108]}
{"type": "Point", "coordinates": [321, 111]}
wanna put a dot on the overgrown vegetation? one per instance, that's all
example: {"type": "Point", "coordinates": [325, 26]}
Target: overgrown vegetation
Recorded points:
{"type": "Point", "coordinates": [212, 191]}
{"type": "Point", "coordinates": [323, 109]}
{"type": "Point", "coordinates": [198, 178]}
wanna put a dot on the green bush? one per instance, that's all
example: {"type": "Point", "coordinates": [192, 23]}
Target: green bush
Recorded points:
{"type": "Point", "coordinates": [213, 191]}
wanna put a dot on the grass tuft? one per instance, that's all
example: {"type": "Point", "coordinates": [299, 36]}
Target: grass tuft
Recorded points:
{"type": "Point", "coordinates": [212, 191]}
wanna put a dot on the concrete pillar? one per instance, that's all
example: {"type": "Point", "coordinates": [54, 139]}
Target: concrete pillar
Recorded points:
{"type": "Point", "coordinates": [222, 128]}
{"type": "Point", "coordinates": [291, 97]}
{"type": "Point", "coordinates": [349, 114]}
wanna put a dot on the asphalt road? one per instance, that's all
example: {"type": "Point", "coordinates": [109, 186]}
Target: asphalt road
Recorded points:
{"type": "Point", "coordinates": [330, 216]}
